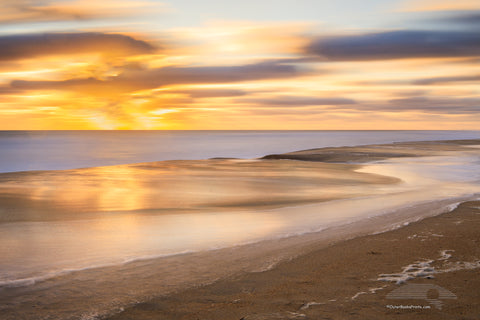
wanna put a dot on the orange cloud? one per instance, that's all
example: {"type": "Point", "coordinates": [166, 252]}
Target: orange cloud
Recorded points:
{"type": "Point", "coordinates": [436, 5]}
{"type": "Point", "coordinates": [230, 42]}
{"type": "Point", "coordinates": [140, 79]}
{"type": "Point", "coordinates": [24, 11]}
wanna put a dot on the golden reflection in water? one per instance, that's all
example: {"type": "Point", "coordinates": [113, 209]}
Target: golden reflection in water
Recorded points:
{"type": "Point", "coordinates": [172, 186]}
{"type": "Point", "coordinates": [120, 188]}
{"type": "Point", "coordinates": [102, 189]}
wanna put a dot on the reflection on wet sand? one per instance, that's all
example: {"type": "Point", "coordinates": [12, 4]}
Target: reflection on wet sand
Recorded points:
{"type": "Point", "coordinates": [75, 219]}
{"type": "Point", "coordinates": [175, 186]}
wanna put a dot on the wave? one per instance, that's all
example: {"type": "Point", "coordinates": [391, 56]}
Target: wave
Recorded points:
{"type": "Point", "coordinates": [30, 281]}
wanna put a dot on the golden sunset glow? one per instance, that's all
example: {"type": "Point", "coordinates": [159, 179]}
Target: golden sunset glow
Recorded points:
{"type": "Point", "coordinates": [128, 64]}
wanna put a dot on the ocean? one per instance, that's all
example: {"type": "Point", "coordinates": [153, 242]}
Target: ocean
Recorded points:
{"type": "Point", "coordinates": [56, 150]}
{"type": "Point", "coordinates": [92, 222]}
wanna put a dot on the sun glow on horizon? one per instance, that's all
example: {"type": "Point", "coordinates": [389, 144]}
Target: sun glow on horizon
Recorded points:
{"type": "Point", "coordinates": [79, 65]}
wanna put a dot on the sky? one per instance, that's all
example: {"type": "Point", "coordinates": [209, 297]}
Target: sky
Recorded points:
{"type": "Point", "coordinates": [240, 65]}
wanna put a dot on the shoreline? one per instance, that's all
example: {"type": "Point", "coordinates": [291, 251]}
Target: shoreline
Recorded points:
{"type": "Point", "coordinates": [346, 154]}
{"type": "Point", "coordinates": [252, 265]}
{"type": "Point", "coordinates": [97, 292]}
{"type": "Point", "coordinates": [319, 284]}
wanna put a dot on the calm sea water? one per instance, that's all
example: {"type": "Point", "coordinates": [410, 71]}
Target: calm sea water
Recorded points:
{"type": "Point", "coordinates": [54, 150]}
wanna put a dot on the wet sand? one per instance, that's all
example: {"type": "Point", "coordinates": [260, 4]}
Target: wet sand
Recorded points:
{"type": "Point", "coordinates": [344, 280]}
{"type": "Point", "coordinates": [177, 187]}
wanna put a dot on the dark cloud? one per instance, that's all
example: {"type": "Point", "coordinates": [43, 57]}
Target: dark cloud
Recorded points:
{"type": "Point", "coordinates": [138, 79]}
{"type": "Point", "coordinates": [464, 18]}
{"type": "Point", "coordinates": [432, 105]}
{"type": "Point", "coordinates": [469, 61]}
{"type": "Point", "coordinates": [398, 45]}
{"type": "Point", "coordinates": [301, 112]}
{"type": "Point", "coordinates": [437, 80]}
{"type": "Point", "coordinates": [15, 47]}
{"type": "Point", "coordinates": [211, 93]}
{"type": "Point", "coordinates": [152, 78]}
{"type": "Point", "coordinates": [4, 90]}
{"type": "Point", "coordinates": [71, 84]}
{"type": "Point", "coordinates": [385, 82]}
{"type": "Point", "coordinates": [293, 101]}
{"type": "Point", "coordinates": [445, 106]}
{"type": "Point", "coordinates": [410, 93]}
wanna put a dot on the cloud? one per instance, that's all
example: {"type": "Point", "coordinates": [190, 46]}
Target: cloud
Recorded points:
{"type": "Point", "coordinates": [15, 47]}
{"type": "Point", "coordinates": [470, 19]}
{"type": "Point", "coordinates": [47, 84]}
{"type": "Point", "coordinates": [6, 90]}
{"type": "Point", "coordinates": [210, 74]}
{"type": "Point", "coordinates": [443, 106]}
{"type": "Point", "coordinates": [26, 11]}
{"type": "Point", "coordinates": [19, 11]}
{"type": "Point", "coordinates": [294, 101]}
{"type": "Point", "coordinates": [437, 80]}
{"type": "Point", "coordinates": [141, 79]}
{"type": "Point", "coordinates": [430, 105]}
{"type": "Point", "coordinates": [211, 93]}
{"type": "Point", "coordinates": [397, 45]}
{"type": "Point", "coordinates": [285, 111]}
{"type": "Point", "coordinates": [111, 96]}
{"type": "Point", "coordinates": [436, 5]}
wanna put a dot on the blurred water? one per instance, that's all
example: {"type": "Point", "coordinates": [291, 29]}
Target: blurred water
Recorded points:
{"type": "Point", "coordinates": [52, 221]}
{"type": "Point", "coordinates": [53, 150]}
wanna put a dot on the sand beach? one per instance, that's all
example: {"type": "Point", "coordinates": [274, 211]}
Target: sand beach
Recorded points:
{"type": "Point", "coordinates": [346, 280]}
{"type": "Point", "coordinates": [326, 233]}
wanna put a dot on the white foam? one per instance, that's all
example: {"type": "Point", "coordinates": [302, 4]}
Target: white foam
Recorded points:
{"type": "Point", "coordinates": [156, 256]}
{"type": "Point", "coordinates": [461, 265]}
{"type": "Point", "coordinates": [374, 290]}
{"type": "Point", "coordinates": [418, 236]}
{"type": "Point", "coordinates": [295, 315]}
{"type": "Point", "coordinates": [424, 236]}
{"type": "Point", "coordinates": [309, 304]}
{"type": "Point", "coordinates": [268, 266]}
{"type": "Point", "coordinates": [357, 295]}
{"type": "Point", "coordinates": [424, 269]}
{"type": "Point", "coordinates": [276, 315]}
{"type": "Point", "coordinates": [444, 255]}
{"type": "Point", "coordinates": [418, 269]}
{"type": "Point", "coordinates": [453, 206]}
